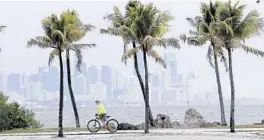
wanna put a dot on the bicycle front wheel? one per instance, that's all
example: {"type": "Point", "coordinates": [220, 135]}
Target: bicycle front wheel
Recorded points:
{"type": "Point", "coordinates": [112, 125]}
{"type": "Point", "coordinates": [93, 125]}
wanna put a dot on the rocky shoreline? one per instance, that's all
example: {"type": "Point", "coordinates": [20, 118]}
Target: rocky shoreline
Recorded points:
{"type": "Point", "coordinates": [192, 119]}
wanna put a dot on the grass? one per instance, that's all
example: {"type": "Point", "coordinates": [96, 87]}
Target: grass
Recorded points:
{"type": "Point", "coordinates": [238, 126]}
{"type": "Point", "coordinates": [71, 129]}
{"type": "Point", "coordinates": [42, 130]}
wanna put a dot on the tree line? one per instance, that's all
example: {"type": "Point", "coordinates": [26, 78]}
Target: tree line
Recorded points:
{"type": "Point", "coordinates": [224, 25]}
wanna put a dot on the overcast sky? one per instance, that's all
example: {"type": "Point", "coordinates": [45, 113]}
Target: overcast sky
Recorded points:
{"type": "Point", "coordinates": [23, 21]}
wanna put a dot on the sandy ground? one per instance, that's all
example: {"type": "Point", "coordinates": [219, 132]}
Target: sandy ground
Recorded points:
{"type": "Point", "coordinates": [161, 134]}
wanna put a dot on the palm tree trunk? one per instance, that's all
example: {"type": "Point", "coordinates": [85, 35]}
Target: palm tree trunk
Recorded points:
{"type": "Point", "coordinates": [60, 134]}
{"type": "Point", "coordinates": [142, 84]}
{"type": "Point", "coordinates": [76, 114]}
{"type": "Point", "coordinates": [232, 108]}
{"type": "Point", "coordinates": [147, 108]}
{"type": "Point", "coordinates": [219, 87]}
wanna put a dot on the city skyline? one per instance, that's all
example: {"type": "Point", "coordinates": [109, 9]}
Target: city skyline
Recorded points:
{"type": "Point", "coordinates": [247, 68]}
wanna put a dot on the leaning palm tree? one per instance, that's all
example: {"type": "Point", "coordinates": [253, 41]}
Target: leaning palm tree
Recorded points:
{"type": "Point", "coordinates": [54, 38]}
{"type": "Point", "coordinates": [233, 29]}
{"type": "Point", "coordinates": [149, 27]}
{"type": "Point", "coordinates": [204, 33]}
{"type": "Point", "coordinates": [74, 31]}
{"type": "Point", "coordinates": [120, 26]}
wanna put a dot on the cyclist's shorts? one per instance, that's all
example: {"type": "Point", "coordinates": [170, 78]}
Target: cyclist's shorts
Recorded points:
{"type": "Point", "coordinates": [103, 117]}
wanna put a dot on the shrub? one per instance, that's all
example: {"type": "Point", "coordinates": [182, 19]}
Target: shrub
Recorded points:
{"type": "Point", "coordinates": [13, 116]}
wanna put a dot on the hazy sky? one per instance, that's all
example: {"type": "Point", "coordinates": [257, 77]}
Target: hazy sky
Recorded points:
{"type": "Point", "coordinates": [23, 21]}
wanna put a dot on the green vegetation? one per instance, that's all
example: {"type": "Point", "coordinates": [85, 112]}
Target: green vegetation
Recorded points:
{"type": "Point", "coordinates": [12, 116]}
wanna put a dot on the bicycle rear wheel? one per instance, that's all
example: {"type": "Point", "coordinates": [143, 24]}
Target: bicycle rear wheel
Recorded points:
{"type": "Point", "coordinates": [93, 125]}
{"type": "Point", "coordinates": [112, 125]}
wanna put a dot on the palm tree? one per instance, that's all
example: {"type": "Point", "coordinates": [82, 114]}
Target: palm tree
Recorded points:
{"type": "Point", "coordinates": [120, 26]}
{"type": "Point", "coordinates": [54, 38]}
{"type": "Point", "coordinates": [75, 30]}
{"type": "Point", "coordinates": [201, 35]}
{"type": "Point", "coordinates": [149, 27]}
{"type": "Point", "coordinates": [233, 29]}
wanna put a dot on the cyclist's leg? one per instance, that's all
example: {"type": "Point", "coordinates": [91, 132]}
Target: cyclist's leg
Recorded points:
{"type": "Point", "coordinates": [104, 119]}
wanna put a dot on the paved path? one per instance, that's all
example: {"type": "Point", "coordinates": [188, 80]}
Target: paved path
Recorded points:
{"type": "Point", "coordinates": [161, 134]}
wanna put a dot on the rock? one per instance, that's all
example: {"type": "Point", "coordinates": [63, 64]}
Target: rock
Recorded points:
{"type": "Point", "coordinates": [162, 121]}
{"type": "Point", "coordinates": [141, 126]}
{"type": "Point", "coordinates": [193, 119]}
{"type": "Point", "coordinates": [217, 123]}
{"type": "Point", "coordinates": [126, 126]}
{"type": "Point", "coordinates": [176, 124]}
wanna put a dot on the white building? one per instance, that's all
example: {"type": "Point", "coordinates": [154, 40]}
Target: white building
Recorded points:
{"type": "Point", "coordinates": [80, 85]}
{"type": "Point", "coordinates": [33, 91]}
{"type": "Point", "coordinates": [118, 80]}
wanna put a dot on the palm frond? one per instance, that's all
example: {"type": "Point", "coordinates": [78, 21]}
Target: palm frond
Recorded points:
{"type": "Point", "coordinates": [39, 43]}
{"type": "Point", "coordinates": [52, 55]}
{"type": "Point", "coordinates": [172, 42]}
{"type": "Point", "coordinates": [129, 54]}
{"type": "Point", "coordinates": [79, 57]}
{"type": "Point", "coordinates": [223, 59]}
{"type": "Point", "coordinates": [111, 31]}
{"type": "Point", "coordinates": [252, 50]}
{"type": "Point", "coordinates": [82, 46]}
{"type": "Point", "coordinates": [209, 55]}
{"type": "Point", "coordinates": [2, 27]}
{"type": "Point", "coordinates": [152, 53]}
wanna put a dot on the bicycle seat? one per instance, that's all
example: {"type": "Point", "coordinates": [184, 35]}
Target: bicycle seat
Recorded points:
{"type": "Point", "coordinates": [108, 116]}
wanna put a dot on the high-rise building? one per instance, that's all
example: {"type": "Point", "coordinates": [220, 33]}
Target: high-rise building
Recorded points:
{"type": "Point", "coordinates": [155, 81]}
{"type": "Point", "coordinates": [13, 82]}
{"type": "Point", "coordinates": [52, 80]}
{"type": "Point", "coordinates": [33, 78]}
{"type": "Point", "coordinates": [33, 91]}
{"type": "Point", "coordinates": [106, 78]}
{"type": "Point", "coordinates": [92, 77]}
{"type": "Point", "coordinates": [80, 85]}
{"type": "Point", "coordinates": [170, 60]}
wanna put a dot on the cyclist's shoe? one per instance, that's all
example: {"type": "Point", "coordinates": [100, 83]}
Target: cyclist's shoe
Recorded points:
{"type": "Point", "coordinates": [105, 127]}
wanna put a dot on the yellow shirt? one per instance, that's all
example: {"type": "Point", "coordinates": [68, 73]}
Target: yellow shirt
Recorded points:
{"type": "Point", "coordinates": [101, 109]}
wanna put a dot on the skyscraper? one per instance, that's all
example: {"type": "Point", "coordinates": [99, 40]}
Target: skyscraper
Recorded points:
{"type": "Point", "coordinates": [106, 78]}
{"type": "Point", "coordinates": [51, 79]}
{"type": "Point", "coordinates": [13, 82]}
{"type": "Point", "coordinates": [80, 85]}
{"type": "Point", "coordinates": [170, 60]}
{"type": "Point", "coordinates": [92, 77]}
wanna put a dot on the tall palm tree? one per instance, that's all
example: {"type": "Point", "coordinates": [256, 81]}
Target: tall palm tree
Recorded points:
{"type": "Point", "coordinates": [233, 29]}
{"type": "Point", "coordinates": [149, 27]}
{"type": "Point", "coordinates": [120, 26]}
{"type": "Point", "coordinates": [75, 30]}
{"type": "Point", "coordinates": [201, 35]}
{"type": "Point", "coordinates": [54, 38]}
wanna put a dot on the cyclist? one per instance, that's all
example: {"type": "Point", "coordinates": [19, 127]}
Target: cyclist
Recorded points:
{"type": "Point", "coordinates": [101, 112]}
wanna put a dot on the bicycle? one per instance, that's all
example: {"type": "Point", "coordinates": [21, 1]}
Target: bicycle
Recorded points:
{"type": "Point", "coordinates": [111, 124]}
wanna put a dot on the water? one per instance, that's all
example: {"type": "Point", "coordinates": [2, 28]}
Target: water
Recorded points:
{"type": "Point", "coordinates": [135, 115]}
